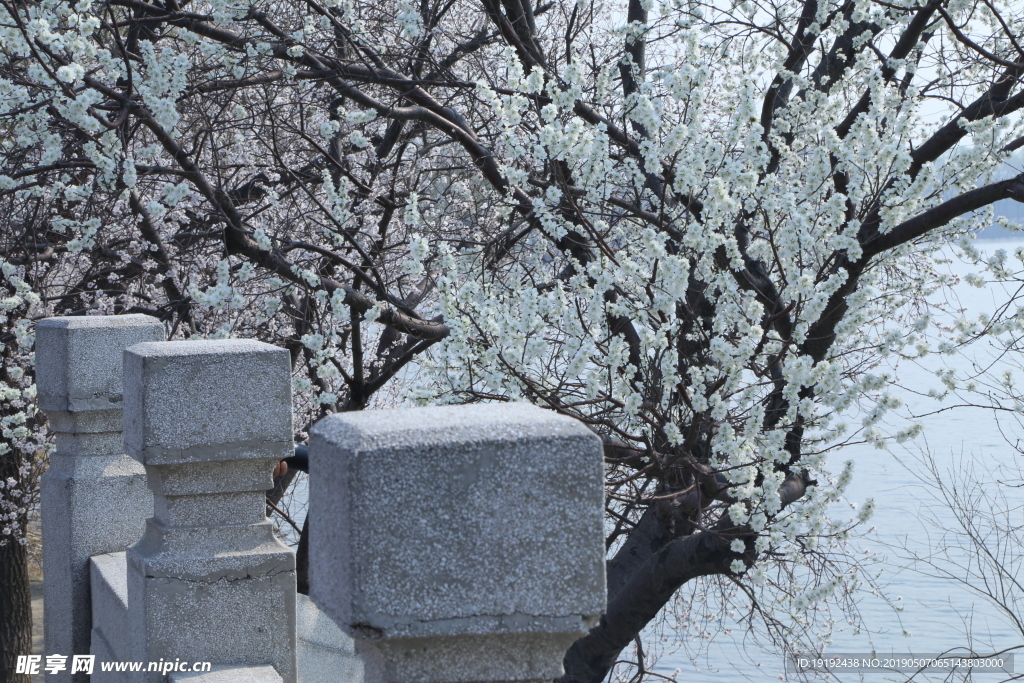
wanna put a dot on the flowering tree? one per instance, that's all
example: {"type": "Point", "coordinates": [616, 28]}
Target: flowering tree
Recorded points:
{"type": "Point", "coordinates": [694, 226]}
{"type": "Point", "coordinates": [20, 450]}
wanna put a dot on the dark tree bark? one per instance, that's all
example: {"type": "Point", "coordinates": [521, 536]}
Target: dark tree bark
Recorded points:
{"type": "Point", "coordinates": [302, 559]}
{"type": "Point", "coordinates": [15, 598]}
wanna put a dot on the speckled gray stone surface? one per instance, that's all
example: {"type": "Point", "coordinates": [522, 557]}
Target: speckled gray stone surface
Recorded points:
{"type": "Point", "coordinates": [439, 529]}
{"type": "Point", "coordinates": [316, 628]}
{"type": "Point", "coordinates": [194, 401]}
{"type": "Point", "coordinates": [229, 674]}
{"type": "Point", "coordinates": [104, 653]}
{"type": "Point", "coordinates": [78, 359]}
{"type": "Point", "coordinates": [212, 553]}
{"type": "Point", "coordinates": [248, 621]}
{"type": "Point", "coordinates": [519, 657]}
{"type": "Point", "coordinates": [94, 498]}
{"type": "Point", "coordinates": [209, 581]}
{"type": "Point", "coordinates": [109, 574]}
{"type": "Point", "coordinates": [326, 654]}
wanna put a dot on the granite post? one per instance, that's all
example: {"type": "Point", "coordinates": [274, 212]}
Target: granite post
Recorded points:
{"type": "Point", "coordinates": [94, 497]}
{"type": "Point", "coordinates": [209, 581]}
{"type": "Point", "coordinates": [460, 543]}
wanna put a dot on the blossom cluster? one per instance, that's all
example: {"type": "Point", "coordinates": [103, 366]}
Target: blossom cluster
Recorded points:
{"type": "Point", "coordinates": [22, 441]}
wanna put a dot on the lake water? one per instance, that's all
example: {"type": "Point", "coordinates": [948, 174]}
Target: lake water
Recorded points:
{"type": "Point", "coordinates": [935, 610]}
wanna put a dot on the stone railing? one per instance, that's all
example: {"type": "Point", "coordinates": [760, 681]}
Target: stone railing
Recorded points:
{"type": "Point", "coordinates": [447, 544]}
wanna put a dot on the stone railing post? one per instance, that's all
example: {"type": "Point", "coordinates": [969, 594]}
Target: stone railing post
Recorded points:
{"type": "Point", "coordinates": [458, 543]}
{"type": "Point", "coordinates": [94, 497]}
{"type": "Point", "coordinates": [209, 581]}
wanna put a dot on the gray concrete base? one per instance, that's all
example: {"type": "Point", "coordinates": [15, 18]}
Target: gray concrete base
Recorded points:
{"type": "Point", "coordinates": [92, 504]}
{"type": "Point", "coordinates": [109, 574]}
{"type": "Point", "coordinates": [104, 653]}
{"type": "Point", "coordinates": [229, 674]}
{"type": "Point", "coordinates": [471, 658]}
{"type": "Point", "coordinates": [230, 621]}
{"type": "Point", "coordinates": [324, 653]}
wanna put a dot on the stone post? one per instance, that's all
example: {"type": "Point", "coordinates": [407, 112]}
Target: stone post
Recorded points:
{"type": "Point", "coordinates": [458, 543]}
{"type": "Point", "coordinates": [209, 581]}
{"type": "Point", "coordinates": [94, 497]}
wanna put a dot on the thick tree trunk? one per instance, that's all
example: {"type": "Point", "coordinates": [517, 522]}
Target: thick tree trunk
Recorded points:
{"type": "Point", "coordinates": [15, 597]}
{"type": "Point", "coordinates": [645, 574]}
{"type": "Point", "coordinates": [647, 538]}
{"type": "Point", "coordinates": [15, 611]}
{"type": "Point", "coordinates": [640, 600]}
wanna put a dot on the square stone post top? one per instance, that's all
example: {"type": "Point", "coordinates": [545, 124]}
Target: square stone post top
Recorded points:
{"type": "Point", "coordinates": [465, 542]}
{"type": "Point", "coordinates": [197, 401]}
{"type": "Point", "coordinates": [209, 580]}
{"type": "Point", "coordinates": [79, 361]}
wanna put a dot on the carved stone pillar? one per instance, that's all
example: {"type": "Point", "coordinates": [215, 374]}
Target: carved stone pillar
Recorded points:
{"type": "Point", "coordinates": [209, 580]}
{"type": "Point", "coordinates": [94, 497]}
